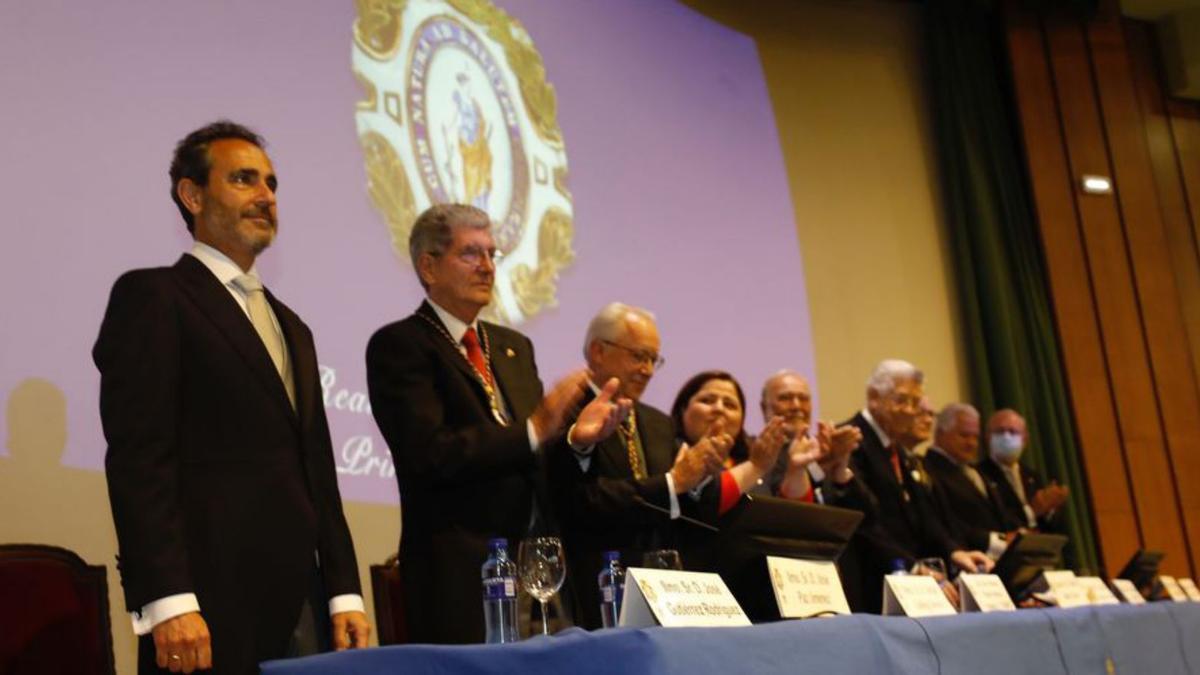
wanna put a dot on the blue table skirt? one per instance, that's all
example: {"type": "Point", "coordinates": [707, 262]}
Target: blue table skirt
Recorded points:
{"type": "Point", "coordinates": [1159, 638]}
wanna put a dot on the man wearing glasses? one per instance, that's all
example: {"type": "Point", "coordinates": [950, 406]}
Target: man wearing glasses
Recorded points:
{"type": "Point", "coordinates": [622, 492]}
{"type": "Point", "coordinates": [905, 525]}
{"type": "Point", "coordinates": [462, 409]}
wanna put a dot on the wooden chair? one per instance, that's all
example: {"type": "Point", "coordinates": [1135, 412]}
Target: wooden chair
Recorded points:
{"type": "Point", "coordinates": [388, 591]}
{"type": "Point", "coordinates": [54, 613]}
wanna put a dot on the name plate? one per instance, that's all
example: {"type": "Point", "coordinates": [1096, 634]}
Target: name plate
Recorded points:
{"type": "Point", "coordinates": [806, 588]}
{"type": "Point", "coordinates": [1065, 588]}
{"type": "Point", "coordinates": [1128, 591]}
{"type": "Point", "coordinates": [673, 599]}
{"type": "Point", "coordinates": [1171, 586]}
{"type": "Point", "coordinates": [1097, 591]}
{"type": "Point", "coordinates": [1189, 589]}
{"type": "Point", "coordinates": [914, 595]}
{"type": "Point", "coordinates": [984, 593]}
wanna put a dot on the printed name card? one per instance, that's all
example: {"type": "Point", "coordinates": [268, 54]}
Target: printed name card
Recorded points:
{"type": "Point", "coordinates": [1171, 586]}
{"type": "Point", "coordinates": [805, 588]}
{"type": "Point", "coordinates": [1128, 591]}
{"type": "Point", "coordinates": [673, 599]}
{"type": "Point", "coordinates": [1189, 588]}
{"type": "Point", "coordinates": [1065, 587]}
{"type": "Point", "coordinates": [914, 595]}
{"type": "Point", "coordinates": [1097, 591]}
{"type": "Point", "coordinates": [983, 593]}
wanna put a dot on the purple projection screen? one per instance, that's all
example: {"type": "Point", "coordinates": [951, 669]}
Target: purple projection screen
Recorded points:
{"type": "Point", "coordinates": [650, 173]}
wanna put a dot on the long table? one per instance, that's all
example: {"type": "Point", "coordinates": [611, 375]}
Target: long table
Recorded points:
{"type": "Point", "coordinates": [1162, 638]}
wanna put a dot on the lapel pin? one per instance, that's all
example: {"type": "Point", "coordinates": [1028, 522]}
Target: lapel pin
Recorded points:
{"type": "Point", "coordinates": [510, 353]}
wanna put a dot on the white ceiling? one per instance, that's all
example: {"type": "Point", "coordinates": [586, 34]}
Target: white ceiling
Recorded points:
{"type": "Point", "coordinates": [1152, 10]}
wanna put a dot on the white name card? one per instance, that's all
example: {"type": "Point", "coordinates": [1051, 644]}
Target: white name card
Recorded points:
{"type": "Point", "coordinates": [671, 598]}
{"type": "Point", "coordinates": [1171, 586]}
{"type": "Point", "coordinates": [914, 595]}
{"type": "Point", "coordinates": [1128, 591]}
{"type": "Point", "coordinates": [805, 588]}
{"type": "Point", "coordinates": [983, 593]}
{"type": "Point", "coordinates": [1189, 589]}
{"type": "Point", "coordinates": [1097, 591]}
{"type": "Point", "coordinates": [1065, 587]}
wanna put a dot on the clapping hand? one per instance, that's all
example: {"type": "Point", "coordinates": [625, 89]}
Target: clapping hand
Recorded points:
{"type": "Point", "coordinates": [765, 449]}
{"type": "Point", "coordinates": [600, 418]}
{"type": "Point", "coordinates": [837, 446]}
{"type": "Point", "coordinates": [693, 464]}
{"type": "Point", "coordinates": [1049, 499]}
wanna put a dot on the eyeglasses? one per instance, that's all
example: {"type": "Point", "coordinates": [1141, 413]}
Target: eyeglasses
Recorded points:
{"type": "Point", "coordinates": [640, 355]}
{"type": "Point", "coordinates": [475, 255]}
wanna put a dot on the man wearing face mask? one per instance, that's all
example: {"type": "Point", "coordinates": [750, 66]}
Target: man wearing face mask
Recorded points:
{"type": "Point", "coordinates": [1027, 500]}
{"type": "Point", "coordinates": [903, 524]}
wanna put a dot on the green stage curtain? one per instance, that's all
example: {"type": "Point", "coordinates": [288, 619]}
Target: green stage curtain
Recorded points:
{"type": "Point", "coordinates": [1011, 343]}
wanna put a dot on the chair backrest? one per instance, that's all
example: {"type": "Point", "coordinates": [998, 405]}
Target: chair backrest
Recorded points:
{"type": "Point", "coordinates": [53, 613]}
{"type": "Point", "coordinates": [388, 591]}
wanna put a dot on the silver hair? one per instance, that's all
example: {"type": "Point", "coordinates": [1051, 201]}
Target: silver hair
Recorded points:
{"type": "Point", "coordinates": [609, 323]}
{"type": "Point", "coordinates": [433, 231]}
{"type": "Point", "coordinates": [883, 378]}
{"type": "Point", "coordinates": [762, 396]}
{"type": "Point", "coordinates": [947, 419]}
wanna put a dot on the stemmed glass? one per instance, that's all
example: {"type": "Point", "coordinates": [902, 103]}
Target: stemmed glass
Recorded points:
{"type": "Point", "coordinates": [542, 567]}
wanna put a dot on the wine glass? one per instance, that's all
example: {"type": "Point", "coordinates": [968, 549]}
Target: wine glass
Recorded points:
{"type": "Point", "coordinates": [665, 559]}
{"type": "Point", "coordinates": [542, 566]}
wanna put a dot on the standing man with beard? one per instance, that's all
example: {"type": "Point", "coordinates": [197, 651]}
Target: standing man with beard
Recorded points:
{"type": "Point", "coordinates": [622, 492]}
{"type": "Point", "coordinates": [461, 406]}
{"type": "Point", "coordinates": [233, 545]}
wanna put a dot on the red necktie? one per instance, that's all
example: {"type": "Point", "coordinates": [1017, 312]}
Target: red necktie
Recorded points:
{"type": "Point", "coordinates": [895, 457]}
{"type": "Point", "coordinates": [475, 355]}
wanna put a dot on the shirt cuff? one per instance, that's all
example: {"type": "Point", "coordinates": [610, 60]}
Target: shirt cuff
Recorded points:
{"type": "Point", "coordinates": [674, 498]}
{"type": "Point", "coordinates": [996, 545]}
{"type": "Point", "coordinates": [160, 610]}
{"type": "Point", "coordinates": [533, 441]}
{"type": "Point", "coordinates": [350, 602]}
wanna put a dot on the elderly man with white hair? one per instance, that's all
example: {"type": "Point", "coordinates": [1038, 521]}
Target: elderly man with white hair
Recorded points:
{"type": "Point", "coordinates": [905, 526]}
{"type": "Point", "coordinates": [969, 501]}
{"type": "Point", "coordinates": [623, 492]}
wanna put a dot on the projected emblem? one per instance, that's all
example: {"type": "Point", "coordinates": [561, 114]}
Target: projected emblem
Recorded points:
{"type": "Point", "coordinates": [457, 109]}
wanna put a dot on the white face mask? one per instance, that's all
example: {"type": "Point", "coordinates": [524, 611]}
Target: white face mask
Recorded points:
{"type": "Point", "coordinates": [1006, 447]}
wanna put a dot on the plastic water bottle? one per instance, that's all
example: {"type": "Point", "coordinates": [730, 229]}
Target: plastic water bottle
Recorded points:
{"type": "Point", "coordinates": [612, 589]}
{"type": "Point", "coordinates": [899, 568]}
{"type": "Point", "coordinates": [499, 594]}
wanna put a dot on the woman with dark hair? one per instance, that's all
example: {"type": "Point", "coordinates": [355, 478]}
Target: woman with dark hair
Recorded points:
{"type": "Point", "coordinates": [711, 408]}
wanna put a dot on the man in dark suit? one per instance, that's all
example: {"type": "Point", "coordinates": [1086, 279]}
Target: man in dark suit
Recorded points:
{"type": "Point", "coordinates": [461, 407]}
{"type": "Point", "coordinates": [968, 501]}
{"type": "Point", "coordinates": [623, 492]}
{"type": "Point", "coordinates": [1027, 500]}
{"type": "Point", "coordinates": [233, 545]}
{"type": "Point", "coordinates": [905, 525]}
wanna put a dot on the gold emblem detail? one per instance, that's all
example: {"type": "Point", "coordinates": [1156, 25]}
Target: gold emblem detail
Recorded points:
{"type": "Point", "coordinates": [389, 189]}
{"type": "Point", "coordinates": [377, 29]}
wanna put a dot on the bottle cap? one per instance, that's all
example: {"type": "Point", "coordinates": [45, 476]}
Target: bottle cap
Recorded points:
{"type": "Point", "coordinates": [498, 542]}
{"type": "Point", "coordinates": [612, 556]}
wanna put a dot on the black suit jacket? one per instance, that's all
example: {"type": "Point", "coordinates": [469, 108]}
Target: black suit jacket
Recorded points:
{"type": "Point", "coordinates": [218, 487]}
{"type": "Point", "coordinates": [971, 516]}
{"type": "Point", "coordinates": [905, 524]}
{"type": "Point", "coordinates": [1014, 508]}
{"type": "Point", "coordinates": [463, 477]}
{"type": "Point", "coordinates": [599, 509]}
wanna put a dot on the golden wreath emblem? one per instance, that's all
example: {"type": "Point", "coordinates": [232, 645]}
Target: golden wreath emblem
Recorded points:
{"type": "Point", "coordinates": [456, 108]}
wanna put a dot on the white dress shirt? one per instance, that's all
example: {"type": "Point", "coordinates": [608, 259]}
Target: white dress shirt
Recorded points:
{"type": "Point", "coordinates": [157, 611]}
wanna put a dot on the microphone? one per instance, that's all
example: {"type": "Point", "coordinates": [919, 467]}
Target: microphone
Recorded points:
{"type": "Point", "coordinates": [691, 521]}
